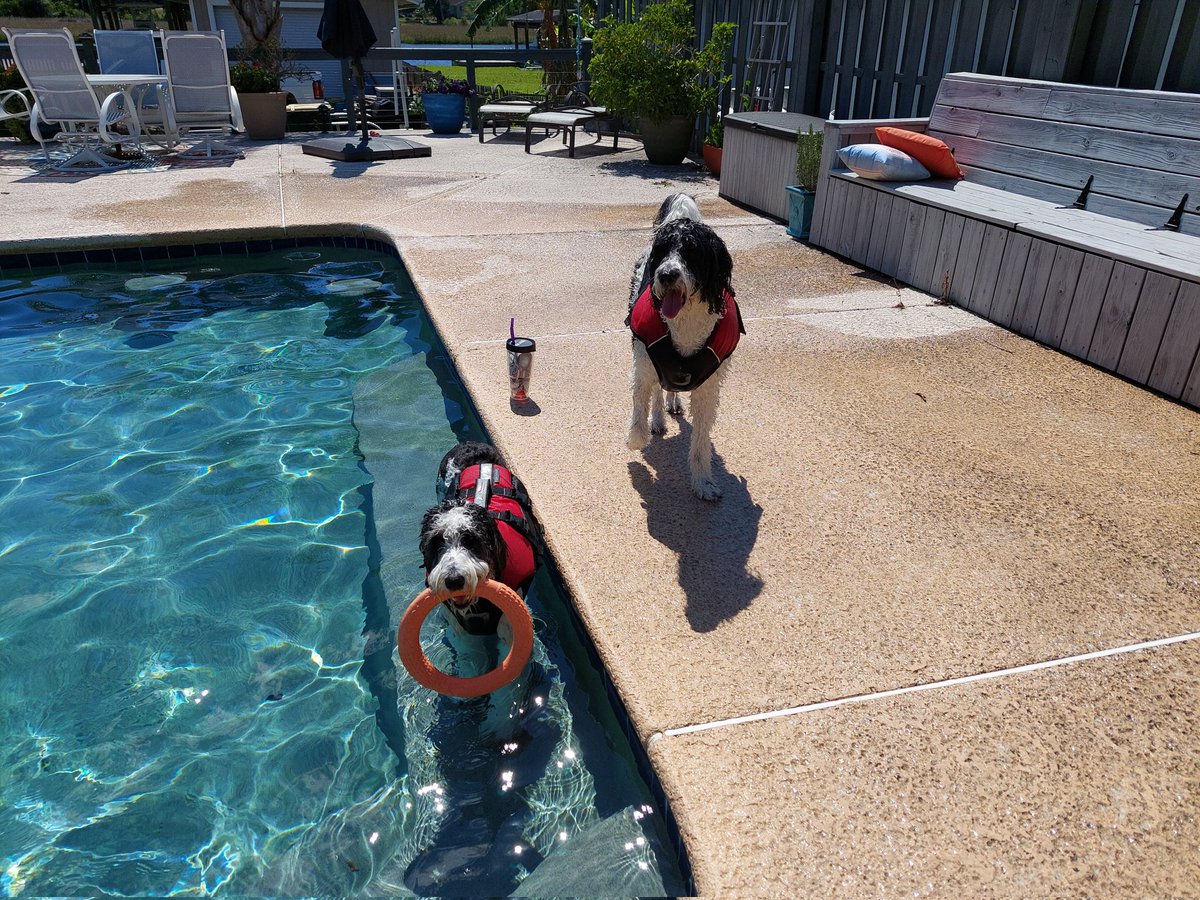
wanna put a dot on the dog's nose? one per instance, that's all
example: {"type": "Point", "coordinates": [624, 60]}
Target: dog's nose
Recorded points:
{"type": "Point", "coordinates": [455, 582]}
{"type": "Point", "coordinates": [669, 274]}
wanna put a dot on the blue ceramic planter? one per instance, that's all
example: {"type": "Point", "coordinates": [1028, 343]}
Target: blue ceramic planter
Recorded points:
{"type": "Point", "coordinates": [800, 211]}
{"type": "Point", "coordinates": [445, 112]}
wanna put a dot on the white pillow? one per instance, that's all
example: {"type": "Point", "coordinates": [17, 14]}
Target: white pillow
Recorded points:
{"type": "Point", "coordinates": [881, 163]}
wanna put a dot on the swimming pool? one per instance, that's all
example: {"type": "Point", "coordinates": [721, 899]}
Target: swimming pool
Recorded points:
{"type": "Point", "coordinates": [212, 472]}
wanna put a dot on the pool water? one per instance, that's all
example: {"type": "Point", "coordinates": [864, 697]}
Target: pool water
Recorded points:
{"type": "Point", "coordinates": [212, 474]}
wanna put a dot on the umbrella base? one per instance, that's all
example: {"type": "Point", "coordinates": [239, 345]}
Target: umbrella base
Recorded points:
{"type": "Point", "coordinates": [347, 150]}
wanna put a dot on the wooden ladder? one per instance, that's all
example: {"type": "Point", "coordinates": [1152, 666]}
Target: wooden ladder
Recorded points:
{"type": "Point", "coordinates": [766, 57]}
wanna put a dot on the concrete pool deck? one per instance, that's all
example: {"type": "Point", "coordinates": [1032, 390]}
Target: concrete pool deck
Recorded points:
{"type": "Point", "coordinates": [938, 637]}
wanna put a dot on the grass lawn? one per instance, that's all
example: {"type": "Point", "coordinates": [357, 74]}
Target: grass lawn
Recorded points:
{"type": "Point", "coordinates": [514, 79]}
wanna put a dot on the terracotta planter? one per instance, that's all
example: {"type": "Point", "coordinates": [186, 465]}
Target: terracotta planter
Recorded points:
{"type": "Point", "coordinates": [712, 158]}
{"type": "Point", "coordinates": [264, 115]}
{"type": "Point", "coordinates": [666, 143]}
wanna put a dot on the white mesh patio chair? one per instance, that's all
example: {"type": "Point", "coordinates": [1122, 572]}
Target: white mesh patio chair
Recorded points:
{"type": "Point", "coordinates": [62, 96]}
{"type": "Point", "coordinates": [135, 53]}
{"type": "Point", "coordinates": [201, 97]}
{"type": "Point", "coordinates": [14, 104]}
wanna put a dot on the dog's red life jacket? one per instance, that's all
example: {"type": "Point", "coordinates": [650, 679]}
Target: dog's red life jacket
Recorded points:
{"type": "Point", "coordinates": [675, 371]}
{"type": "Point", "coordinates": [505, 499]}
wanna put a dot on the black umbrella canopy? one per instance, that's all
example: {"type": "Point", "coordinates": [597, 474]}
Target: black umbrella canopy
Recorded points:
{"type": "Point", "coordinates": [345, 31]}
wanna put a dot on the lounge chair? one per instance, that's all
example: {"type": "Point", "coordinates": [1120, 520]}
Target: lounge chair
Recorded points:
{"type": "Point", "coordinates": [135, 53]}
{"type": "Point", "coordinates": [62, 96]}
{"type": "Point", "coordinates": [505, 108]}
{"type": "Point", "coordinates": [201, 97]}
{"type": "Point", "coordinates": [574, 110]}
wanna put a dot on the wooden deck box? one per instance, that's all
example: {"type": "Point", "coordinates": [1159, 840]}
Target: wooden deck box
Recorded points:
{"type": "Point", "coordinates": [760, 158]}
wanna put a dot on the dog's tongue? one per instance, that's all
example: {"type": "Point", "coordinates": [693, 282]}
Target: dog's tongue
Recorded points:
{"type": "Point", "coordinates": [672, 302]}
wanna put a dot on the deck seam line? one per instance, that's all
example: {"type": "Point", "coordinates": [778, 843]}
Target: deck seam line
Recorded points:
{"type": "Point", "coordinates": [282, 199]}
{"type": "Point", "coordinates": [950, 682]}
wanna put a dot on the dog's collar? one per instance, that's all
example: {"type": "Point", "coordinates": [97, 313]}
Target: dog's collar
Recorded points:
{"type": "Point", "coordinates": [677, 372]}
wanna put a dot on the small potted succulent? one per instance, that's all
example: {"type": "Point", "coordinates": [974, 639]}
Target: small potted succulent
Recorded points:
{"type": "Point", "coordinates": [711, 149]}
{"type": "Point", "coordinates": [445, 103]}
{"type": "Point", "coordinates": [802, 194]}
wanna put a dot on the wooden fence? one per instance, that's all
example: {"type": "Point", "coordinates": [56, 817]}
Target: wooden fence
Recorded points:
{"type": "Point", "coordinates": [882, 58]}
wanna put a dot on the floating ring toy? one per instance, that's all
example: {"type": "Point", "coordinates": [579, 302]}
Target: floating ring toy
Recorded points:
{"type": "Point", "coordinates": [408, 640]}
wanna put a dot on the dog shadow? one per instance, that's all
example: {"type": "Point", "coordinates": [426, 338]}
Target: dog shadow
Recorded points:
{"type": "Point", "coordinates": [713, 540]}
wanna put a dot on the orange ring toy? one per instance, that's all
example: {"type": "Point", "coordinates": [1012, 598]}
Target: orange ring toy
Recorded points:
{"type": "Point", "coordinates": [408, 640]}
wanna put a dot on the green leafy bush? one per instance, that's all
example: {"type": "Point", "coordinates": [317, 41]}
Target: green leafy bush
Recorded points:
{"type": "Point", "coordinates": [651, 68]}
{"type": "Point", "coordinates": [260, 70]}
{"type": "Point", "coordinates": [715, 136]}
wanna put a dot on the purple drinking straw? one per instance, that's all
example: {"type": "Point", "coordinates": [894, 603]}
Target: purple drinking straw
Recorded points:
{"type": "Point", "coordinates": [512, 329]}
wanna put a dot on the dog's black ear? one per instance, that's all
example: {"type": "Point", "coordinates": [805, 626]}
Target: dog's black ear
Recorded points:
{"type": "Point", "coordinates": [427, 532]}
{"type": "Point", "coordinates": [715, 268]}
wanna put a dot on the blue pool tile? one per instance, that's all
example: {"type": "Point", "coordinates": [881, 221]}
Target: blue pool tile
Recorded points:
{"type": "Point", "coordinates": [42, 260]}
{"type": "Point", "coordinates": [258, 246]}
{"type": "Point", "coordinates": [99, 257]}
{"type": "Point", "coordinates": [181, 251]}
{"type": "Point", "coordinates": [213, 249]}
{"type": "Point", "coordinates": [149, 253]}
{"type": "Point", "coordinates": [127, 254]}
{"type": "Point", "coordinates": [70, 257]}
{"type": "Point", "coordinates": [233, 248]}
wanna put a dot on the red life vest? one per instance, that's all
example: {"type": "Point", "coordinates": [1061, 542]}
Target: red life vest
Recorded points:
{"type": "Point", "coordinates": [675, 371]}
{"type": "Point", "coordinates": [505, 499]}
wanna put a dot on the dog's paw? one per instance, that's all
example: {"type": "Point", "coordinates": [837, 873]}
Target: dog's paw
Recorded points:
{"type": "Point", "coordinates": [658, 425]}
{"type": "Point", "coordinates": [705, 489]}
{"type": "Point", "coordinates": [637, 438]}
{"type": "Point", "coordinates": [674, 405]}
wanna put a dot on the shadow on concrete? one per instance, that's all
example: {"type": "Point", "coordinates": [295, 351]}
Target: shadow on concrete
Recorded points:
{"type": "Point", "coordinates": [528, 408]}
{"type": "Point", "coordinates": [641, 168]}
{"type": "Point", "coordinates": [713, 540]}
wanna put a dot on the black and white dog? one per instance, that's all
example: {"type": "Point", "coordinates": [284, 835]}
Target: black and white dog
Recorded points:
{"type": "Point", "coordinates": [483, 528]}
{"type": "Point", "coordinates": [685, 325]}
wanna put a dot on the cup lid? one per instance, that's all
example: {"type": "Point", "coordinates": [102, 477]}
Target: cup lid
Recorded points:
{"type": "Point", "coordinates": [521, 344]}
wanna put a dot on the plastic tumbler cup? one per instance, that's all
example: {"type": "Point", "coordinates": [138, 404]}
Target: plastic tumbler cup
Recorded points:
{"type": "Point", "coordinates": [520, 367]}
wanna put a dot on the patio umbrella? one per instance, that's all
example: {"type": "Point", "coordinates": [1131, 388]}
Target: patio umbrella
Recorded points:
{"type": "Point", "coordinates": [346, 32]}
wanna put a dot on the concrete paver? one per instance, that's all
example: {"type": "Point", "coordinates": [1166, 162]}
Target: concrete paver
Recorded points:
{"type": "Point", "coordinates": [1068, 782]}
{"type": "Point", "coordinates": [911, 495]}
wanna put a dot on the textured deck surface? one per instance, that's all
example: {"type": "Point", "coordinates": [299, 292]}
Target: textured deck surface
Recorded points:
{"type": "Point", "coordinates": [912, 496]}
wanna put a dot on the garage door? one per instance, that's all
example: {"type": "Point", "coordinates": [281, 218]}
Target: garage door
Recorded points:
{"type": "Point", "coordinates": [299, 30]}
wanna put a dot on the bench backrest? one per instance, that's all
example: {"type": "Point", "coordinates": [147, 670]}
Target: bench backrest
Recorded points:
{"type": "Point", "coordinates": [1045, 139]}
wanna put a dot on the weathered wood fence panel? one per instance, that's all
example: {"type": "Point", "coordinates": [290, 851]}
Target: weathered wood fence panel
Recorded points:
{"type": "Point", "coordinates": [885, 58]}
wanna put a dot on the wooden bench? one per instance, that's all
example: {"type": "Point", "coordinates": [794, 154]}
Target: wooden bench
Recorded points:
{"type": "Point", "coordinates": [1078, 222]}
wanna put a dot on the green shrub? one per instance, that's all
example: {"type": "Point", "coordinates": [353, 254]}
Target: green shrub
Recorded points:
{"type": "Point", "coordinates": [715, 136]}
{"type": "Point", "coordinates": [651, 69]}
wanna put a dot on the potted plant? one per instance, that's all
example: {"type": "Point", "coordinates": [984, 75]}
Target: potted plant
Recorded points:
{"type": "Point", "coordinates": [802, 194]}
{"type": "Point", "coordinates": [256, 78]}
{"type": "Point", "coordinates": [650, 72]}
{"type": "Point", "coordinates": [711, 150]}
{"type": "Point", "coordinates": [445, 103]}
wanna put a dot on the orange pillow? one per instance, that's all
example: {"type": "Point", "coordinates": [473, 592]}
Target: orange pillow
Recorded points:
{"type": "Point", "coordinates": [928, 151]}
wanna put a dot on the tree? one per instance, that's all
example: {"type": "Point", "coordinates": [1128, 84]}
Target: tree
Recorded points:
{"type": "Point", "coordinates": [260, 21]}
